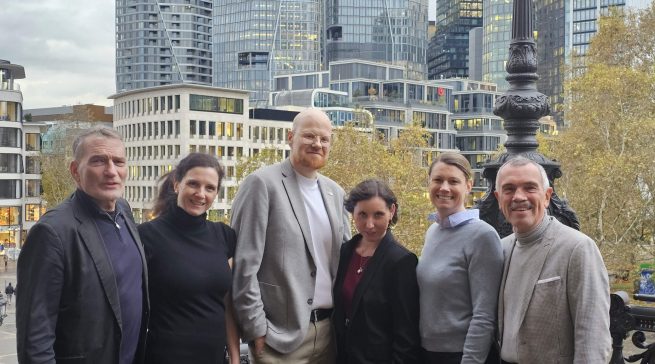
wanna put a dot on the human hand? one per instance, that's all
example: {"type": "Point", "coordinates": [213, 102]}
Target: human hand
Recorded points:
{"type": "Point", "coordinates": [260, 342]}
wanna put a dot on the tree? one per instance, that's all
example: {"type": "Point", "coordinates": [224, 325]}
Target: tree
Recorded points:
{"type": "Point", "coordinates": [56, 181]}
{"type": "Point", "coordinates": [357, 154]}
{"type": "Point", "coordinates": [607, 152]}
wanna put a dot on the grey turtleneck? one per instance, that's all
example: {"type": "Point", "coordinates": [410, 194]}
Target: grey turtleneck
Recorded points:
{"type": "Point", "coordinates": [520, 261]}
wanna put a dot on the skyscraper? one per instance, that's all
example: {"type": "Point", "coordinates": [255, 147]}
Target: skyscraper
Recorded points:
{"type": "Point", "coordinates": [496, 34]}
{"type": "Point", "coordinates": [161, 42]}
{"type": "Point", "coordinates": [391, 31]}
{"type": "Point", "coordinates": [449, 48]}
{"type": "Point", "coordinates": [563, 31]}
{"type": "Point", "coordinates": [254, 40]}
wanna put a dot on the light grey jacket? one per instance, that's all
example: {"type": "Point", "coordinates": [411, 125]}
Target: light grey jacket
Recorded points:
{"type": "Point", "coordinates": [565, 316]}
{"type": "Point", "coordinates": [274, 269]}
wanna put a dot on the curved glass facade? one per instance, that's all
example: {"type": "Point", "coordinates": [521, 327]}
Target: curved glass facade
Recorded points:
{"type": "Point", "coordinates": [259, 39]}
{"type": "Point", "coordinates": [391, 31]}
{"type": "Point", "coordinates": [163, 42]}
{"type": "Point", "coordinates": [497, 24]}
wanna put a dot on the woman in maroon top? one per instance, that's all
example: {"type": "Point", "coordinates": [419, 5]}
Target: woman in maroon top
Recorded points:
{"type": "Point", "coordinates": [376, 294]}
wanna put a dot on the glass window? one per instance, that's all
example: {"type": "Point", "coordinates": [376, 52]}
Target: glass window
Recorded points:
{"type": "Point", "coordinates": [33, 212]}
{"type": "Point", "coordinates": [9, 215]}
{"type": "Point", "coordinates": [10, 188]}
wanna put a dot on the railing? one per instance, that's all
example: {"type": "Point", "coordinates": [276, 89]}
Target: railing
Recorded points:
{"type": "Point", "coordinates": [626, 318]}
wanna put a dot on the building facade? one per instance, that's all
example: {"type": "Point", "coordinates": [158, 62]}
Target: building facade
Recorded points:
{"type": "Point", "coordinates": [161, 125]}
{"type": "Point", "coordinates": [480, 133]}
{"type": "Point", "coordinates": [255, 40]}
{"type": "Point", "coordinates": [162, 43]}
{"type": "Point", "coordinates": [20, 172]}
{"type": "Point", "coordinates": [393, 31]}
{"type": "Point", "coordinates": [448, 52]}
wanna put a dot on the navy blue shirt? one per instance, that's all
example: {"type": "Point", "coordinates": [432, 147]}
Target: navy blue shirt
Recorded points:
{"type": "Point", "coordinates": [126, 262]}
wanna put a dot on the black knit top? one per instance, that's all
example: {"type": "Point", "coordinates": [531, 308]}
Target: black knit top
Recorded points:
{"type": "Point", "coordinates": [189, 277]}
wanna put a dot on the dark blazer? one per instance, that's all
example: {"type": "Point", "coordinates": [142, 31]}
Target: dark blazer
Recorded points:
{"type": "Point", "coordinates": [67, 309]}
{"type": "Point", "coordinates": [385, 308]}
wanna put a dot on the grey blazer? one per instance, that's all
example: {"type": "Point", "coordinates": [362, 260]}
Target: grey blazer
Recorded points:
{"type": "Point", "coordinates": [274, 271]}
{"type": "Point", "coordinates": [565, 316]}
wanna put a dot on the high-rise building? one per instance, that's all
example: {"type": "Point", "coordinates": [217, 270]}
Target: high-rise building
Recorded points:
{"type": "Point", "coordinates": [256, 40]}
{"type": "Point", "coordinates": [161, 42]}
{"type": "Point", "coordinates": [449, 48]}
{"type": "Point", "coordinates": [496, 34]}
{"type": "Point", "coordinates": [20, 171]}
{"type": "Point", "coordinates": [563, 32]}
{"type": "Point", "coordinates": [393, 32]}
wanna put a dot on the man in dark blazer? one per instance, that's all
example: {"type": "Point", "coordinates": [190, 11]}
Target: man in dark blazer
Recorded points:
{"type": "Point", "coordinates": [290, 224]}
{"type": "Point", "coordinates": [81, 273]}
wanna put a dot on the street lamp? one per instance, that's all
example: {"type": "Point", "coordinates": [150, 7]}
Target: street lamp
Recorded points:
{"type": "Point", "coordinates": [521, 106]}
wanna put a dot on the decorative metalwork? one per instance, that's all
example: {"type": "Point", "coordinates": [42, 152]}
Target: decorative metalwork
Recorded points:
{"type": "Point", "coordinates": [624, 319]}
{"type": "Point", "coordinates": [521, 107]}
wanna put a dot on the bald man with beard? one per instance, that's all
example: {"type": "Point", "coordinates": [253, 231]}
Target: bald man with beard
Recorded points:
{"type": "Point", "coordinates": [290, 224]}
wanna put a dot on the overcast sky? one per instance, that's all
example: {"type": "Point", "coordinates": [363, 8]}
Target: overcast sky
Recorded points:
{"type": "Point", "coordinates": [66, 47]}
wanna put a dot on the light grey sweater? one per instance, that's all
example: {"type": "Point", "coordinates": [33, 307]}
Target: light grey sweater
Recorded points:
{"type": "Point", "coordinates": [459, 276]}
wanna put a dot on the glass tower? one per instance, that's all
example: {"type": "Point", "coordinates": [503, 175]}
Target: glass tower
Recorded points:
{"type": "Point", "coordinates": [496, 34]}
{"type": "Point", "coordinates": [390, 31]}
{"type": "Point", "coordinates": [160, 42]}
{"type": "Point", "coordinates": [255, 40]}
{"type": "Point", "coordinates": [448, 52]}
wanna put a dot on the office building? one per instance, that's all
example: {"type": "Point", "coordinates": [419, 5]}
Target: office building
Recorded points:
{"type": "Point", "coordinates": [163, 42]}
{"type": "Point", "coordinates": [448, 51]}
{"type": "Point", "coordinates": [255, 40]}
{"type": "Point", "coordinates": [393, 32]}
{"type": "Point", "coordinates": [20, 172]}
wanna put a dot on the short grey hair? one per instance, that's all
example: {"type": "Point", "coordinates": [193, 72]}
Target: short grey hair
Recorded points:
{"type": "Point", "coordinates": [523, 161]}
{"type": "Point", "coordinates": [97, 131]}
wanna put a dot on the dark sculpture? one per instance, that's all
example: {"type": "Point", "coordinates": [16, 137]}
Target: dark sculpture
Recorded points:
{"type": "Point", "coordinates": [521, 107]}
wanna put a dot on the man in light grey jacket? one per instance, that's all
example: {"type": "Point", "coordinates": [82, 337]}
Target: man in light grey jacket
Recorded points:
{"type": "Point", "coordinates": [290, 224]}
{"type": "Point", "coordinates": [554, 296]}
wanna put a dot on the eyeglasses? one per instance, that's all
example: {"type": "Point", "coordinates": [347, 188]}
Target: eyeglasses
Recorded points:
{"type": "Point", "coordinates": [309, 139]}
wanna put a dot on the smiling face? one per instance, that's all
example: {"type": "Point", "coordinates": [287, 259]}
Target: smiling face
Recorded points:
{"type": "Point", "coordinates": [101, 170]}
{"type": "Point", "coordinates": [197, 190]}
{"type": "Point", "coordinates": [310, 142]}
{"type": "Point", "coordinates": [522, 197]}
{"type": "Point", "coordinates": [448, 189]}
{"type": "Point", "coordinates": [372, 218]}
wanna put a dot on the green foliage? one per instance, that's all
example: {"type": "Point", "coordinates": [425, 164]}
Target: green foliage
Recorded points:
{"type": "Point", "coordinates": [356, 155]}
{"type": "Point", "coordinates": [607, 152]}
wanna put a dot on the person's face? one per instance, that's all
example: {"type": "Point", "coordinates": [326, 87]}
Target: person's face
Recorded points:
{"type": "Point", "coordinates": [310, 143]}
{"type": "Point", "coordinates": [521, 196]}
{"type": "Point", "coordinates": [197, 190]}
{"type": "Point", "coordinates": [372, 218]}
{"type": "Point", "coordinates": [101, 171]}
{"type": "Point", "coordinates": [448, 188]}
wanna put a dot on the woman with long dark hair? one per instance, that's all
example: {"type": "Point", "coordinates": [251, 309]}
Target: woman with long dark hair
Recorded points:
{"type": "Point", "coordinates": [375, 293]}
{"type": "Point", "coordinates": [189, 269]}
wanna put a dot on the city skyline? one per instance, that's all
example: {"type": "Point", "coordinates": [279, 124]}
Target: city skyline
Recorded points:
{"type": "Point", "coordinates": [69, 56]}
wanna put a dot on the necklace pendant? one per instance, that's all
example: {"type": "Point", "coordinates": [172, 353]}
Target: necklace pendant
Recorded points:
{"type": "Point", "coordinates": [360, 270]}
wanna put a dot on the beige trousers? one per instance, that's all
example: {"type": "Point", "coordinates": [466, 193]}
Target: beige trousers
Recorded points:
{"type": "Point", "coordinates": [318, 347]}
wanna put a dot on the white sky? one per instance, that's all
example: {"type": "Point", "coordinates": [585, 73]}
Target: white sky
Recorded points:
{"type": "Point", "coordinates": [66, 48]}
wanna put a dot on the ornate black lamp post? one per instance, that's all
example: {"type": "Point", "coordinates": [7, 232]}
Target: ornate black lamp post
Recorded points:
{"type": "Point", "coordinates": [521, 107]}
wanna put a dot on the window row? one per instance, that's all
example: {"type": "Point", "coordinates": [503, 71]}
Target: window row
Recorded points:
{"type": "Point", "coordinates": [146, 106]}
{"type": "Point", "coordinates": [150, 129]}
{"type": "Point", "coordinates": [215, 128]}
{"type": "Point", "coordinates": [171, 151]}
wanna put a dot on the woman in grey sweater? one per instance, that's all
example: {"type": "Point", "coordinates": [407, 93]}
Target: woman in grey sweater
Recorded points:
{"type": "Point", "coordinates": [459, 271]}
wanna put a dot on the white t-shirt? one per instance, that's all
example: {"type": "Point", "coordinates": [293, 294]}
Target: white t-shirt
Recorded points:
{"type": "Point", "coordinates": [319, 225]}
